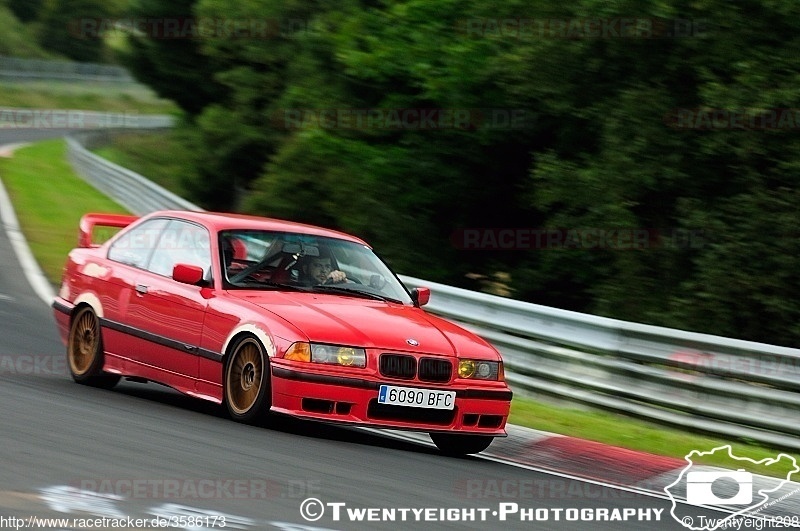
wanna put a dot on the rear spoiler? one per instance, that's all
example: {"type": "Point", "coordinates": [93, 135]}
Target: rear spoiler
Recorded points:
{"type": "Point", "coordinates": [90, 221]}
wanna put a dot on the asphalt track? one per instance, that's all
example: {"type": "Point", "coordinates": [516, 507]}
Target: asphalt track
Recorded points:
{"type": "Point", "coordinates": [143, 450]}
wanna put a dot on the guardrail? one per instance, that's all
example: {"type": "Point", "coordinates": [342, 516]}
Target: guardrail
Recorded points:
{"type": "Point", "coordinates": [133, 191]}
{"type": "Point", "coordinates": [28, 69]}
{"type": "Point", "coordinates": [705, 383]}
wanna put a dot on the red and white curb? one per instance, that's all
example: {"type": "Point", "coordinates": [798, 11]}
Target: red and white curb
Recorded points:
{"type": "Point", "coordinates": [582, 458]}
{"type": "Point", "coordinates": [633, 470]}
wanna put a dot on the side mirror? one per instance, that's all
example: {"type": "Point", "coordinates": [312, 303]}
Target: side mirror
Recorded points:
{"type": "Point", "coordinates": [187, 274]}
{"type": "Point", "coordinates": [421, 296]}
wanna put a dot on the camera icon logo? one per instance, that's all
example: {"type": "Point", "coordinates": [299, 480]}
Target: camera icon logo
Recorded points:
{"type": "Point", "coordinates": [699, 489]}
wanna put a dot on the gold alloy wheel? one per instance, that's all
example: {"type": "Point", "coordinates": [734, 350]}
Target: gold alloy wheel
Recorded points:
{"type": "Point", "coordinates": [245, 376]}
{"type": "Point", "coordinates": [84, 342]}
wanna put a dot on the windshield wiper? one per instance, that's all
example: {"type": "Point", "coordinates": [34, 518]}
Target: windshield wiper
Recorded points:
{"type": "Point", "coordinates": [356, 292]}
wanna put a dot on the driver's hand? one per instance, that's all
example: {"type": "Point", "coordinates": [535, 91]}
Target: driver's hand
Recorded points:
{"type": "Point", "coordinates": [336, 277]}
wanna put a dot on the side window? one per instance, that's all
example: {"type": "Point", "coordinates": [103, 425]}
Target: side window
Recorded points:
{"type": "Point", "coordinates": [135, 247]}
{"type": "Point", "coordinates": [181, 243]}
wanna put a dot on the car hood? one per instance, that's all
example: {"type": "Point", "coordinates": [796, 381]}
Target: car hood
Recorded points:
{"type": "Point", "coordinates": [359, 322]}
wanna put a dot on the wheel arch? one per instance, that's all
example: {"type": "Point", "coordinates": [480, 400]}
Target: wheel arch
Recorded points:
{"type": "Point", "coordinates": [88, 299]}
{"type": "Point", "coordinates": [244, 330]}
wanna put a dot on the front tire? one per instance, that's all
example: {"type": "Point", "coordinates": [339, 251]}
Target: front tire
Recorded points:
{"type": "Point", "coordinates": [247, 382]}
{"type": "Point", "coordinates": [85, 351]}
{"type": "Point", "coordinates": [458, 445]}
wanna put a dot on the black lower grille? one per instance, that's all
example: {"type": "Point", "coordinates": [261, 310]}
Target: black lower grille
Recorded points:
{"type": "Point", "coordinates": [435, 370]}
{"type": "Point", "coordinates": [490, 421]}
{"type": "Point", "coordinates": [398, 366]}
{"type": "Point", "coordinates": [317, 406]}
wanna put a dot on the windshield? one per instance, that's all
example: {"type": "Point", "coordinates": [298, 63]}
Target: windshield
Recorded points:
{"type": "Point", "coordinates": [253, 259]}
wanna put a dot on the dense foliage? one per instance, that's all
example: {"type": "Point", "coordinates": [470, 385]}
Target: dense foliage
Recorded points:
{"type": "Point", "coordinates": [17, 39]}
{"type": "Point", "coordinates": [25, 10]}
{"type": "Point", "coordinates": [59, 28]}
{"type": "Point", "coordinates": [624, 126]}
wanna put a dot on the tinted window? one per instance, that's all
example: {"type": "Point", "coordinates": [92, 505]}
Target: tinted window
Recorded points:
{"type": "Point", "coordinates": [136, 245]}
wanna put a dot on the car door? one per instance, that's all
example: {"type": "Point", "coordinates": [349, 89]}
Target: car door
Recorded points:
{"type": "Point", "coordinates": [130, 254]}
{"type": "Point", "coordinates": [168, 314]}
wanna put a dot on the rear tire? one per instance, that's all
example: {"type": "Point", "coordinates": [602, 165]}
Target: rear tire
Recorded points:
{"type": "Point", "coordinates": [247, 382]}
{"type": "Point", "coordinates": [85, 351]}
{"type": "Point", "coordinates": [458, 445]}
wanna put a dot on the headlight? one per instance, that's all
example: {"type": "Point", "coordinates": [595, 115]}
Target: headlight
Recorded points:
{"type": "Point", "coordinates": [480, 370]}
{"type": "Point", "coordinates": [328, 354]}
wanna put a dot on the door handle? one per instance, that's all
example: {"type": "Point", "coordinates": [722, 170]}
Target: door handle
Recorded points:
{"type": "Point", "coordinates": [141, 288]}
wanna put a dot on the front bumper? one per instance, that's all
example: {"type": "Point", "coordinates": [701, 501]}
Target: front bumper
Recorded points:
{"type": "Point", "coordinates": [62, 311]}
{"type": "Point", "coordinates": [345, 399]}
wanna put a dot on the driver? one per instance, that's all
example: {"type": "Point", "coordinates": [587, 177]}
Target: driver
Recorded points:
{"type": "Point", "coordinates": [319, 270]}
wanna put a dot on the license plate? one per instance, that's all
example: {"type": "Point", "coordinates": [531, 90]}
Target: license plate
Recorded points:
{"type": "Point", "coordinates": [414, 397]}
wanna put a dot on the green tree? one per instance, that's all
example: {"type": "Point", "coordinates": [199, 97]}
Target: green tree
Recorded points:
{"type": "Point", "coordinates": [634, 166]}
{"type": "Point", "coordinates": [746, 282]}
{"type": "Point", "coordinates": [405, 189]}
{"type": "Point", "coordinates": [604, 143]}
{"type": "Point", "coordinates": [59, 28]}
{"type": "Point", "coordinates": [25, 10]}
{"type": "Point", "coordinates": [174, 67]}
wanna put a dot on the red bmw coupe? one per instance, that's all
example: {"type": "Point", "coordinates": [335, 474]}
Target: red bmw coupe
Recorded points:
{"type": "Point", "coordinates": [264, 315]}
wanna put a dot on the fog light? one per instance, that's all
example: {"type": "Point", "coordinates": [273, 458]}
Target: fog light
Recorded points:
{"type": "Point", "coordinates": [466, 368]}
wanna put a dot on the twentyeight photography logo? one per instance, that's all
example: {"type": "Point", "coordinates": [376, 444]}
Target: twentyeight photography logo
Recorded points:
{"type": "Point", "coordinates": [736, 494]}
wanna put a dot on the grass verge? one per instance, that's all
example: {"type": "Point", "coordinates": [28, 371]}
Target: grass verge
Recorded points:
{"type": "Point", "coordinates": [50, 199]}
{"type": "Point", "coordinates": [110, 97]}
{"type": "Point", "coordinates": [636, 434]}
{"type": "Point", "coordinates": [159, 156]}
